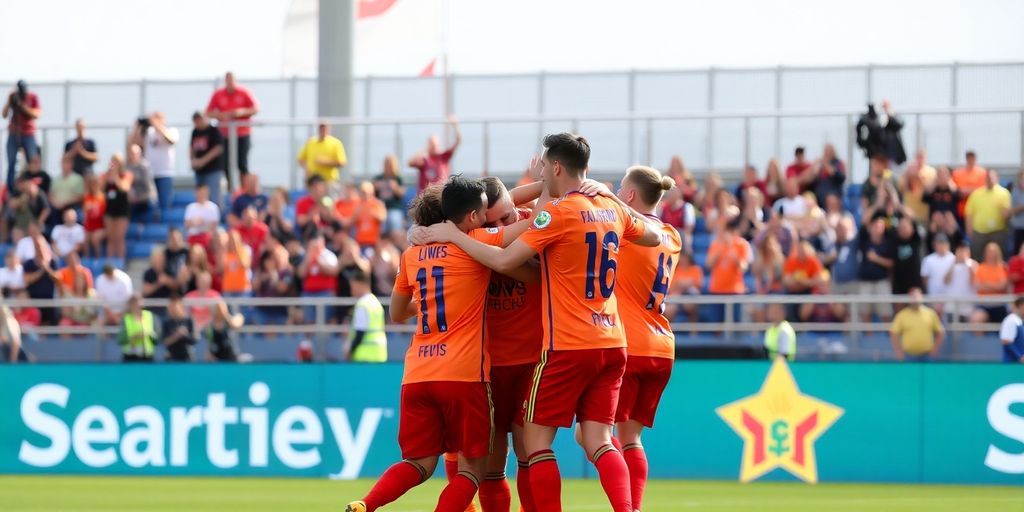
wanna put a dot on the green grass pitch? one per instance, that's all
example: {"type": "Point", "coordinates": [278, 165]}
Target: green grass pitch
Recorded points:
{"type": "Point", "coordinates": [69, 493]}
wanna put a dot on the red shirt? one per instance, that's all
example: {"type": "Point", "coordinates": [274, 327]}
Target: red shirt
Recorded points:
{"type": "Point", "coordinates": [254, 236]}
{"type": "Point", "coordinates": [1017, 270]}
{"type": "Point", "coordinates": [223, 101]}
{"type": "Point", "coordinates": [304, 205]}
{"type": "Point", "coordinates": [434, 168]}
{"type": "Point", "coordinates": [796, 169]}
{"type": "Point", "coordinates": [20, 123]}
{"type": "Point", "coordinates": [94, 207]}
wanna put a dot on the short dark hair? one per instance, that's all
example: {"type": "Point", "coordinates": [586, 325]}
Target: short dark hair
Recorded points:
{"type": "Point", "coordinates": [494, 188]}
{"type": "Point", "coordinates": [202, 185]}
{"type": "Point", "coordinates": [314, 179]}
{"type": "Point", "coordinates": [461, 196]}
{"type": "Point", "coordinates": [358, 275]}
{"type": "Point", "coordinates": [1018, 302]}
{"type": "Point", "coordinates": [425, 209]}
{"type": "Point", "coordinates": [570, 150]}
{"type": "Point", "coordinates": [799, 151]}
{"type": "Point", "coordinates": [971, 154]}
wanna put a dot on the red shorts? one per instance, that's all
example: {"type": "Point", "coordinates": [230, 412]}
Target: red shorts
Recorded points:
{"type": "Point", "coordinates": [509, 388]}
{"type": "Point", "coordinates": [642, 387]}
{"type": "Point", "coordinates": [440, 417]}
{"type": "Point", "coordinates": [576, 383]}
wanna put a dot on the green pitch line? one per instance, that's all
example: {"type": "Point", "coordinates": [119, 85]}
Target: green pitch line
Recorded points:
{"type": "Point", "coordinates": [68, 493]}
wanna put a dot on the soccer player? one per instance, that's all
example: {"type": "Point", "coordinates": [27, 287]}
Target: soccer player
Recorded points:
{"type": "Point", "coordinates": [650, 342]}
{"type": "Point", "coordinates": [580, 372]}
{"type": "Point", "coordinates": [445, 403]}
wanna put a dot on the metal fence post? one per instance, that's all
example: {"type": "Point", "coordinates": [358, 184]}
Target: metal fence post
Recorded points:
{"type": "Point", "coordinates": [778, 108]}
{"type": "Point", "coordinates": [851, 141]}
{"type": "Point", "coordinates": [650, 142]}
{"type": "Point", "coordinates": [142, 97]}
{"type": "Point", "coordinates": [746, 140]}
{"type": "Point", "coordinates": [487, 149]}
{"type": "Point", "coordinates": [67, 113]}
{"type": "Point", "coordinates": [953, 102]}
{"type": "Point", "coordinates": [631, 106]}
{"type": "Point", "coordinates": [956, 331]}
{"type": "Point", "coordinates": [708, 140]}
{"type": "Point", "coordinates": [1021, 139]}
{"type": "Point", "coordinates": [919, 132]}
{"type": "Point", "coordinates": [293, 178]}
{"type": "Point", "coordinates": [869, 72]}
{"type": "Point", "coordinates": [232, 156]}
{"type": "Point", "coordinates": [368, 91]}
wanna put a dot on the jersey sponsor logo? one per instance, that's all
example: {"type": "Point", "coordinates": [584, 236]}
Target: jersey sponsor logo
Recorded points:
{"type": "Point", "coordinates": [543, 220]}
{"type": "Point", "coordinates": [779, 426]}
{"type": "Point", "coordinates": [493, 231]}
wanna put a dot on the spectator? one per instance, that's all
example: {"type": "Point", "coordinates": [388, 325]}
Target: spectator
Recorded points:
{"type": "Point", "coordinates": [780, 338]}
{"type": "Point", "coordinates": [202, 218]}
{"type": "Point", "coordinates": [222, 346]}
{"type": "Point", "coordinates": [350, 259]}
{"type": "Point", "coordinates": [80, 287]}
{"type": "Point", "coordinates": [721, 211]}
{"type": "Point", "coordinates": [829, 175]}
{"type": "Point", "coordinates": [344, 207]}
{"type": "Point", "coordinates": [780, 229]}
{"type": "Point", "coordinates": [911, 188]}
{"type": "Point", "coordinates": [876, 262]}
{"type": "Point", "coordinates": [916, 331]}
{"type": "Point", "coordinates": [753, 216]}
{"type": "Point", "coordinates": [687, 280]}
{"type": "Point", "coordinates": [945, 224]}
{"type": "Point", "coordinates": [81, 150]}
{"type": "Point", "coordinates": [985, 215]}
{"type": "Point", "coordinates": [792, 206]}
{"type": "Point", "coordinates": [887, 206]}
{"type": "Point", "coordinates": [202, 314]}
{"type": "Point", "coordinates": [943, 196]}
{"type": "Point", "coordinates": [813, 227]}
{"type": "Point", "coordinates": [234, 103]}
{"type": "Point", "coordinates": [389, 189]}
{"type": "Point", "coordinates": [175, 252]}
{"type": "Point", "coordinates": [706, 198]}
{"type": "Point", "coordinates": [432, 162]}
{"type": "Point", "coordinates": [1015, 272]}
{"type": "Point", "coordinates": [207, 156]}
{"type": "Point", "coordinates": [34, 171]}
{"type": "Point", "coordinates": [12, 275]}
{"type": "Point", "coordinates": [23, 107]}
{"type": "Point", "coordinates": [906, 266]}
{"type": "Point", "coordinates": [26, 247]}
{"type": "Point", "coordinates": [774, 182]}
{"type": "Point", "coordinates": [879, 177]}
{"type": "Point", "coordinates": [323, 156]}
{"type": "Point", "coordinates": [870, 135]}
{"type": "Point", "coordinates": [41, 279]}
{"type": "Point", "coordinates": [750, 181]}
{"type": "Point", "coordinates": [935, 267]}
{"type": "Point", "coordinates": [198, 263]}
{"type": "Point", "coordinates": [969, 178]}
{"type": "Point", "coordinates": [370, 216]}
{"type": "Point", "coordinates": [925, 171]}
{"type": "Point", "coordinates": [157, 282]}
{"type": "Point", "coordinates": [802, 271]}
{"type": "Point", "coordinates": [142, 194]}
{"type": "Point", "coordinates": [892, 135]}
{"type": "Point", "coordinates": [94, 209]}
{"type": "Point", "coordinates": [274, 279]}
{"type": "Point", "coordinates": [73, 269]}
{"type": "Point", "coordinates": [990, 278]}
{"type": "Point", "coordinates": [307, 208]}
{"type": "Point", "coordinates": [67, 190]}
{"type": "Point", "coordinates": [253, 231]}
{"type": "Point", "coordinates": [821, 312]}
{"type": "Point", "coordinates": [114, 288]}
{"type": "Point", "coordinates": [768, 274]}
{"type": "Point", "coordinates": [11, 350]}
{"type": "Point", "coordinates": [27, 317]}
{"type": "Point", "coordinates": [236, 265]}
{"type": "Point", "coordinates": [276, 218]}
{"type": "Point", "coordinates": [678, 213]}
{"type": "Point", "coordinates": [30, 207]}
{"type": "Point", "coordinates": [318, 271]}
{"type": "Point", "coordinates": [959, 281]}
{"type": "Point", "coordinates": [384, 266]}
{"type": "Point", "coordinates": [176, 332]}
{"type": "Point", "coordinates": [800, 170]}
{"type": "Point", "coordinates": [834, 211]}
{"type": "Point", "coordinates": [685, 181]}
{"type": "Point", "coordinates": [118, 183]}
{"type": "Point", "coordinates": [1011, 333]}
{"type": "Point", "coordinates": [1017, 211]}
{"type": "Point", "coordinates": [68, 237]}
{"type": "Point", "coordinates": [138, 333]}
{"type": "Point", "coordinates": [367, 342]}
{"type": "Point", "coordinates": [250, 195]}
{"type": "Point", "coordinates": [158, 145]}
{"type": "Point", "coordinates": [728, 258]}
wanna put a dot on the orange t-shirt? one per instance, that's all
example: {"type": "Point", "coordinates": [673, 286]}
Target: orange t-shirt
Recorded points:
{"type": "Point", "coordinates": [805, 269]}
{"type": "Point", "coordinates": [578, 239]}
{"type": "Point", "coordinates": [448, 287]}
{"type": "Point", "coordinates": [968, 179]}
{"type": "Point", "coordinates": [367, 225]}
{"type": "Point", "coordinates": [726, 276]}
{"type": "Point", "coordinates": [345, 208]}
{"type": "Point", "coordinates": [237, 278]}
{"type": "Point", "coordinates": [692, 273]}
{"type": "Point", "coordinates": [514, 332]}
{"type": "Point", "coordinates": [989, 275]}
{"type": "Point", "coordinates": [641, 291]}
{"type": "Point", "coordinates": [67, 276]}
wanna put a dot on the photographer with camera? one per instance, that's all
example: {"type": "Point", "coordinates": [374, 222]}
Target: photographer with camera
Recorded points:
{"type": "Point", "coordinates": [157, 141]}
{"type": "Point", "coordinates": [23, 107]}
{"type": "Point", "coordinates": [81, 150]}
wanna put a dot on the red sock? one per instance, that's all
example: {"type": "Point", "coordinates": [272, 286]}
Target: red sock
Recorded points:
{"type": "Point", "coordinates": [636, 461]}
{"type": "Point", "coordinates": [545, 482]}
{"type": "Point", "coordinates": [523, 487]}
{"type": "Point", "coordinates": [614, 475]}
{"type": "Point", "coordinates": [395, 482]}
{"type": "Point", "coordinates": [617, 444]}
{"type": "Point", "coordinates": [458, 494]}
{"type": "Point", "coordinates": [495, 495]}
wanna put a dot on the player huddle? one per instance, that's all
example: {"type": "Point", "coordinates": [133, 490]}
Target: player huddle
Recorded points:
{"type": "Point", "coordinates": [527, 320]}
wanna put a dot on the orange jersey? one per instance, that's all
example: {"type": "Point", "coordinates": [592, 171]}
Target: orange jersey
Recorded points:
{"type": "Point", "coordinates": [448, 287]}
{"type": "Point", "coordinates": [514, 332]}
{"type": "Point", "coordinates": [578, 239]}
{"type": "Point", "coordinates": [641, 293]}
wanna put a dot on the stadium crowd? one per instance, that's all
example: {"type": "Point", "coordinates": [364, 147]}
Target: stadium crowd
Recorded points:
{"type": "Point", "coordinates": [800, 228]}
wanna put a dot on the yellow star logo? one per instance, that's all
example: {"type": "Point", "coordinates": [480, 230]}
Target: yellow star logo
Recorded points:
{"type": "Point", "coordinates": [778, 426]}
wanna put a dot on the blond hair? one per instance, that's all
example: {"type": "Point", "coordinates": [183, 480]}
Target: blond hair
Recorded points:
{"type": "Point", "coordinates": [649, 183]}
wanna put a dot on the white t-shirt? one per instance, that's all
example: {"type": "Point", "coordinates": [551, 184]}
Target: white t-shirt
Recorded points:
{"type": "Point", "coordinates": [1008, 329]}
{"type": "Point", "coordinates": [116, 289]}
{"type": "Point", "coordinates": [160, 153]}
{"type": "Point", "coordinates": [207, 212]}
{"type": "Point", "coordinates": [793, 208]}
{"type": "Point", "coordinates": [67, 238]}
{"type": "Point", "coordinates": [960, 286]}
{"type": "Point", "coordinates": [12, 278]}
{"type": "Point", "coordinates": [934, 268]}
{"type": "Point", "coordinates": [25, 249]}
{"type": "Point", "coordinates": [360, 317]}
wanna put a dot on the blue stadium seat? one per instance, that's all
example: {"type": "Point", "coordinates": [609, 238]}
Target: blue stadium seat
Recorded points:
{"type": "Point", "coordinates": [701, 242]}
{"type": "Point", "coordinates": [139, 250]}
{"type": "Point", "coordinates": [701, 259]}
{"type": "Point", "coordinates": [700, 226]}
{"type": "Point", "coordinates": [175, 215]}
{"type": "Point", "coordinates": [294, 195]}
{"type": "Point", "coordinates": [183, 198]}
{"type": "Point", "coordinates": [155, 232]}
